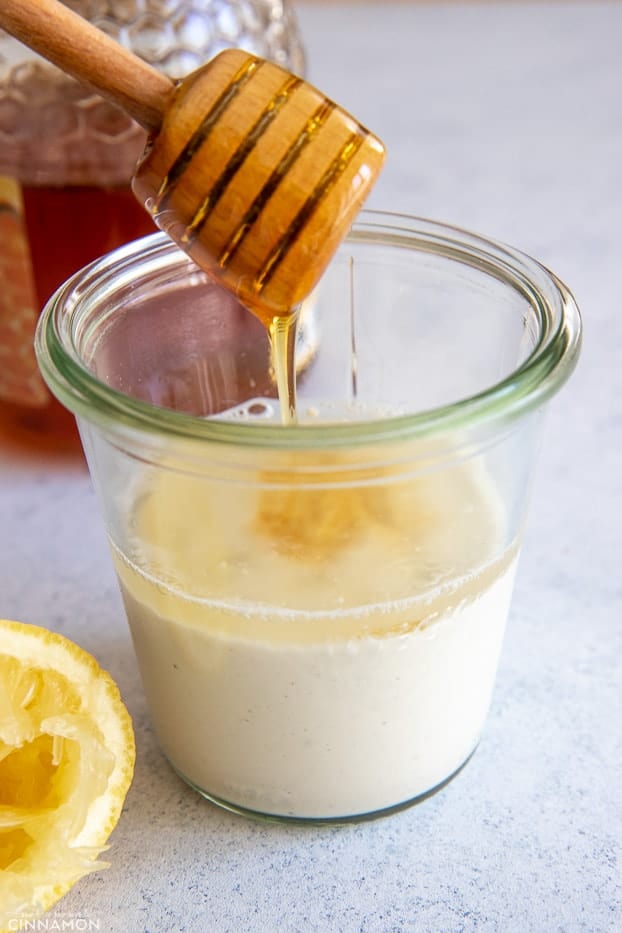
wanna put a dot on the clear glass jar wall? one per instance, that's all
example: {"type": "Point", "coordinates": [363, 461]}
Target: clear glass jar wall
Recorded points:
{"type": "Point", "coordinates": [317, 610]}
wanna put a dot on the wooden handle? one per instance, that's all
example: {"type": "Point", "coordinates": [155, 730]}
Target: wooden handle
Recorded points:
{"type": "Point", "coordinates": [88, 54]}
{"type": "Point", "coordinates": [252, 171]}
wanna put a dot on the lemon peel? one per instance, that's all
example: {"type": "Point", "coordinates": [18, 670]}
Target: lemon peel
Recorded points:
{"type": "Point", "coordinates": [67, 757]}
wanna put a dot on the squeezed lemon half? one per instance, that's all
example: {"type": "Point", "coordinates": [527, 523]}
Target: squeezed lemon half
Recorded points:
{"type": "Point", "coordinates": [66, 763]}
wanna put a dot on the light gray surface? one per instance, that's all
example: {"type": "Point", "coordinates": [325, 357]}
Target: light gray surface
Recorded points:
{"type": "Point", "coordinates": [505, 119]}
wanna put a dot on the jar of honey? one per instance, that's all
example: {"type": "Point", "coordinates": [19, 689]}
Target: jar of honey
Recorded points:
{"type": "Point", "coordinates": [66, 160]}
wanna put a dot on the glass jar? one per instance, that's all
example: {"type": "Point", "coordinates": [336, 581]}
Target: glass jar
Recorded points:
{"type": "Point", "coordinates": [317, 610]}
{"type": "Point", "coordinates": [67, 157]}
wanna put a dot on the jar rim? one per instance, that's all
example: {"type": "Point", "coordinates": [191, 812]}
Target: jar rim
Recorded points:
{"type": "Point", "coordinates": [534, 381]}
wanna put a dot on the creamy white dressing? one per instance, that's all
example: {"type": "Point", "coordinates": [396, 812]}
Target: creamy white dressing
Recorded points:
{"type": "Point", "coordinates": [318, 673]}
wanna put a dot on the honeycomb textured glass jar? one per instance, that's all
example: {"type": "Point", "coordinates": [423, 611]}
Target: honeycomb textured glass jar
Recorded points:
{"type": "Point", "coordinates": [54, 130]}
{"type": "Point", "coordinates": [66, 160]}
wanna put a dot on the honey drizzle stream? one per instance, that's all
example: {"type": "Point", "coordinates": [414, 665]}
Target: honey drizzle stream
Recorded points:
{"type": "Point", "coordinates": [282, 331]}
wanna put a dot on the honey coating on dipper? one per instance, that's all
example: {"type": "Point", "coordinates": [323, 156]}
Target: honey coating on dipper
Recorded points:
{"type": "Point", "coordinates": [257, 176]}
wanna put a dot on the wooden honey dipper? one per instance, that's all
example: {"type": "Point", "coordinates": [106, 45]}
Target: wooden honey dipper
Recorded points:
{"type": "Point", "coordinates": [248, 168]}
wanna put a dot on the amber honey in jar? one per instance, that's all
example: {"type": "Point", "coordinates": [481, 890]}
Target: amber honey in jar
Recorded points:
{"type": "Point", "coordinates": [66, 161]}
